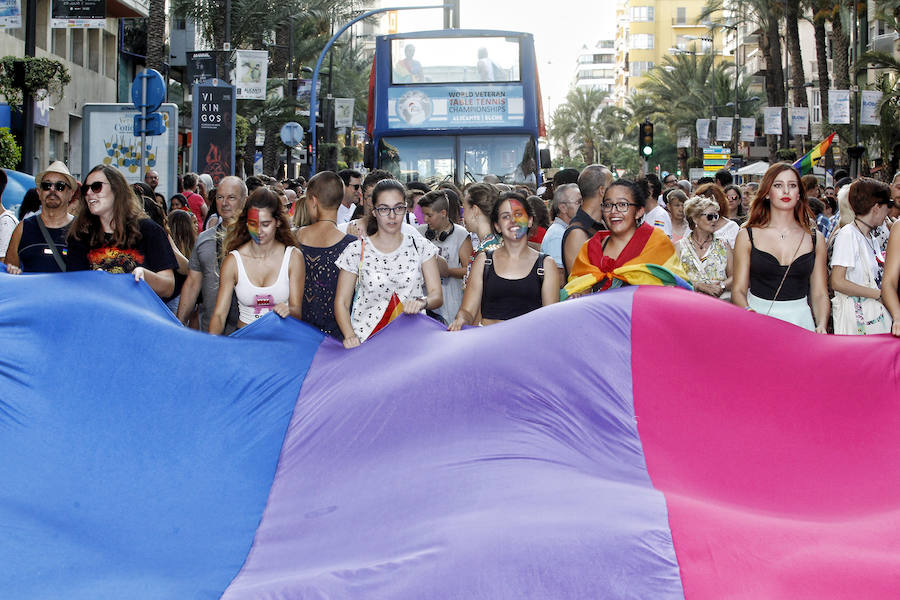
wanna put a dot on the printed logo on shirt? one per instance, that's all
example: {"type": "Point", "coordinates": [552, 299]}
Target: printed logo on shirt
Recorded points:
{"type": "Point", "coordinates": [262, 304]}
{"type": "Point", "coordinates": [115, 260]}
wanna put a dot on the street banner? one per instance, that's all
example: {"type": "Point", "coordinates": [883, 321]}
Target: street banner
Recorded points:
{"type": "Point", "coordinates": [748, 129]}
{"type": "Point", "coordinates": [79, 14]}
{"type": "Point", "coordinates": [723, 129]}
{"type": "Point", "coordinates": [201, 66]}
{"type": "Point", "coordinates": [772, 120]}
{"type": "Point", "coordinates": [343, 112]}
{"type": "Point", "coordinates": [412, 107]}
{"type": "Point", "coordinates": [799, 120]}
{"type": "Point", "coordinates": [839, 107]}
{"type": "Point", "coordinates": [684, 138]}
{"type": "Point", "coordinates": [10, 14]}
{"type": "Point", "coordinates": [702, 132]}
{"type": "Point", "coordinates": [213, 129]}
{"type": "Point", "coordinates": [250, 71]}
{"type": "Point", "coordinates": [868, 107]}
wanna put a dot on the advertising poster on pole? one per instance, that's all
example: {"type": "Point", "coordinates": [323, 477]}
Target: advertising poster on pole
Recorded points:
{"type": "Point", "coordinates": [78, 14]}
{"type": "Point", "coordinates": [748, 129]}
{"type": "Point", "coordinates": [684, 138]}
{"type": "Point", "coordinates": [343, 112]}
{"type": "Point", "coordinates": [108, 138]}
{"type": "Point", "coordinates": [250, 71]}
{"type": "Point", "coordinates": [839, 107]}
{"type": "Point", "coordinates": [10, 14]}
{"type": "Point", "coordinates": [772, 120]}
{"type": "Point", "coordinates": [213, 129]}
{"type": "Point", "coordinates": [799, 120]}
{"type": "Point", "coordinates": [703, 132]}
{"type": "Point", "coordinates": [868, 107]}
{"type": "Point", "coordinates": [723, 129]}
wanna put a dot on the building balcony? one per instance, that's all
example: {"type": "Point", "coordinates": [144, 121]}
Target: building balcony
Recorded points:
{"type": "Point", "coordinates": [129, 9]}
{"type": "Point", "coordinates": [755, 64]}
{"type": "Point", "coordinates": [883, 43]}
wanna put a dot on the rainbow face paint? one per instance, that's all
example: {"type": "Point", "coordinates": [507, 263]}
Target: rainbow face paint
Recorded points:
{"type": "Point", "coordinates": [520, 218]}
{"type": "Point", "coordinates": [253, 223]}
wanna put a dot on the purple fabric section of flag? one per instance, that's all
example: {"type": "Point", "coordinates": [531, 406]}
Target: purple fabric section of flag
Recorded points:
{"type": "Point", "coordinates": [497, 462]}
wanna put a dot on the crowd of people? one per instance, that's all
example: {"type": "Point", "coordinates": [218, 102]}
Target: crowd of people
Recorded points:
{"type": "Point", "coordinates": [347, 251]}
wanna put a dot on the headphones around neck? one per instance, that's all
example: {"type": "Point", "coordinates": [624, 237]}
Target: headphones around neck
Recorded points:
{"type": "Point", "coordinates": [442, 236]}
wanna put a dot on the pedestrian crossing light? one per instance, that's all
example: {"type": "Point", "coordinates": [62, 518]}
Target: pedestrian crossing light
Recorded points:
{"type": "Point", "coordinates": [645, 139]}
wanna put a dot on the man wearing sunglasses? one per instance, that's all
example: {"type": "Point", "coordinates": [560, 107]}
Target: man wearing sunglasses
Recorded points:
{"type": "Point", "coordinates": [29, 249]}
{"type": "Point", "coordinates": [352, 194]}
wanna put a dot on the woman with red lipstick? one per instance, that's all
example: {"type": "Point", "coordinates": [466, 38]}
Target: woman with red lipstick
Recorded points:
{"type": "Point", "coordinates": [263, 266]}
{"type": "Point", "coordinates": [513, 279]}
{"type": "Point", "coordinates": [779, 257]}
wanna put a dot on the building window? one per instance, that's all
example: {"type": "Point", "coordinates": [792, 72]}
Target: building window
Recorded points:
{"type": "Point", "coordinates": [109, 52]}
{"type": "Point", "coordinates": [642, 13]}
{"type": "Point", "coordinates": [681, 15]}
{"type": "Point", "coordinates": [54, 152]}
{"type": "Point", "coordinates": [58, 42]}
{"type": "Point", "coordinates": [639, 67]}
{"type": "Point", "coordinates": [77, 46]}
{"type": "Point", "coordinates": [815, 107]}
{"type": "Point", "coordinates": [94, 50]}
{"type": "Point", "coordinates": [642, 41]}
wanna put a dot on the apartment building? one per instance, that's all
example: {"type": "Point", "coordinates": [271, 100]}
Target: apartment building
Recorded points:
{"type": "Point", "coordinates": [596, 67]}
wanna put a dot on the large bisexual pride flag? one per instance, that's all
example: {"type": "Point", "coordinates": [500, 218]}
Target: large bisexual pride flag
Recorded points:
{"type": "Point", "coordinates": [640, 443]}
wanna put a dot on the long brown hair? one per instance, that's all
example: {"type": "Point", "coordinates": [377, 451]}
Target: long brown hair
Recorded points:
{"type": "Point", "coordinates": [126, 219]}
{"type": "Point", "coordinates": [761, 210]}
{"type": "Point", "coordinates": [261, 198]}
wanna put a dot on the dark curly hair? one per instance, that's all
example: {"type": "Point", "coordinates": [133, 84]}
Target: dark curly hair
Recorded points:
{"type": "Point", "coordinates": [261, 198]}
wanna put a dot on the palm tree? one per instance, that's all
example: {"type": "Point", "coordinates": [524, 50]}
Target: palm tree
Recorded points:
{"type": "Point", "coordinates": [156, 36]}
{"type": "Point", "coordinates": [579, 113]}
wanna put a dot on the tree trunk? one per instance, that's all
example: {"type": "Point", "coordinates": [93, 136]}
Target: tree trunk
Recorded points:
{"type": "Point", "coordinates": [273, 150]}
{"type": "Point", "coordinates": [156, 37]}
{"type": "Point", "coordinates": [770, 46]}
{"type": "Point", "coordinates": [840, 52]}
{"type": "Point", "coordinates": [792, 38]}
{"type": "Point", "coordinates": [824, 83]}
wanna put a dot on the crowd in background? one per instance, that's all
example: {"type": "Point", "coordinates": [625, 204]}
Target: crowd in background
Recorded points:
{"type": "Point", "coordinates": [347, 251]}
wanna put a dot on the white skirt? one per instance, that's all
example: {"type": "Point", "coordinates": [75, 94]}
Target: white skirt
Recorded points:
{"type": "Point", "coordinates": [792, 311]}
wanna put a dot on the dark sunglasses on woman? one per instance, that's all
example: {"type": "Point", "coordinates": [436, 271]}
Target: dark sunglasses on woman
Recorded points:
{"type": "Point", "coordinates": [94, 187]}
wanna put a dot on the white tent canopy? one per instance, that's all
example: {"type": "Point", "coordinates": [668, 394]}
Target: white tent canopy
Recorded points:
{"type": "Point", "coordinates": [757, 168]}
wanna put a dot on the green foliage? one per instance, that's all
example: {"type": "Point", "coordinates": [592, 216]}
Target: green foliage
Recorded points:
{"type": "Point", "coordinates": [43, 76]}
{"type": "Point", "coordinates": [10, 152]}
{"type": "Point", "coordinates": [351, 154]}
{"type": "Point", "coordinates": [694, 163]}
{"type": "Point", "coordinates": [786, 154]}
{"type": "Point", "coordinates": [241, 131]}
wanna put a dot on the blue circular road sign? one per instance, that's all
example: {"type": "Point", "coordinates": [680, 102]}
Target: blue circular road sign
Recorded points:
{"type": "Point", "coordinates": [156, 90]}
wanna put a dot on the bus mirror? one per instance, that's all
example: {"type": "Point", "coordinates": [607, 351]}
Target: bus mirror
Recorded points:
{"type": "Point", "coordinates": [368, 156]}
{"type": "Point", "coordinates": [545, 158]}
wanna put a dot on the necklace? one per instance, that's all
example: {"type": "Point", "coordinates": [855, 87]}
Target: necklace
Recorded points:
{"type": "Point", "coordinates": [701, 246]}
{"type": "Point", "coordinates": [783, 232]}
{"type": "Point", "coordinates": [867, 237]}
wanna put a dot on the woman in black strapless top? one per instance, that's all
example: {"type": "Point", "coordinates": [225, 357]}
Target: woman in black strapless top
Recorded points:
{"type": "Point", "coordinates": [779, 258]}
{"type": "Point", "coordinates": [890, 283]}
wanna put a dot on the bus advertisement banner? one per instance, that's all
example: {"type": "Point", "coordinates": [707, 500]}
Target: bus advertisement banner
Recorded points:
{"type": "Point", "coordinates": [455, 106]}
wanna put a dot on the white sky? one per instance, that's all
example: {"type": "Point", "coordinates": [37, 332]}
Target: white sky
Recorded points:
{"type": "Point", "coordinates": [560, 28]}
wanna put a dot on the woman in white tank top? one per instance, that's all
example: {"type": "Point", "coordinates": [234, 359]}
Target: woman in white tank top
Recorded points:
{"type": "Point", "coordinates": [264, 269]}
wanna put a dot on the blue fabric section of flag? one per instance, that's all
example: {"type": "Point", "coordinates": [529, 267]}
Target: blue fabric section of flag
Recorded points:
{"type": "Point", "coordinates": [136, 456]}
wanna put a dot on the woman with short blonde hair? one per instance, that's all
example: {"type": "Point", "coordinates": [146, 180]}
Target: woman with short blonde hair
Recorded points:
{"type": "Point", "coordinates": [707, 259]}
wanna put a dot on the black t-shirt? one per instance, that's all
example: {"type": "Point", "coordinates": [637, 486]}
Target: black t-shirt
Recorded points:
{"type": "Point", "coordinates": [152, 251]}
{"type": "Point", "coordinates": [584, 222]}
{"type": "Point", "coordinates": [35, 255]}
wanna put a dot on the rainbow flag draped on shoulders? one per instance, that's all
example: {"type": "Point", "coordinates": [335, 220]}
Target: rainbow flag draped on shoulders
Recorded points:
{"type": "Point", "coordinates": [808, 160]}
{"type": "Point", "coordinates": [649, 258]}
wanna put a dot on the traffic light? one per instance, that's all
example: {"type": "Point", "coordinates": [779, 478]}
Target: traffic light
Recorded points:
{"type": "Point", "coordinates": [645, 139]}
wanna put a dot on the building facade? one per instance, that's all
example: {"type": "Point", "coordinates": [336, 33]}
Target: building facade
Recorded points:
{"type": "Point", "coordinates": [596, 68]}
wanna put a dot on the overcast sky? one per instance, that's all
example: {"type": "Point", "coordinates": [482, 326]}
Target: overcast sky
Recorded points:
{"type": "Point", "coordinates": [560, 28]}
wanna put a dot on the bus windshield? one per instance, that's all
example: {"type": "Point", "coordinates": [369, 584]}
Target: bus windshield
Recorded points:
{"type": "Point", "coordinates": [431, 159]}
{"type": "Point", "coordinates": [454, 60]}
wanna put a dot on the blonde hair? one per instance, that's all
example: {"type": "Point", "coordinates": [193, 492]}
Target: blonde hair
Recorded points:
{"type": "Point", "coordinates": [695, 206]}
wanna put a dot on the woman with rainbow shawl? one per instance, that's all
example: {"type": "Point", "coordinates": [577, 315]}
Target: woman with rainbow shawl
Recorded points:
{"type": "Point", "coordinates": [628, 253]}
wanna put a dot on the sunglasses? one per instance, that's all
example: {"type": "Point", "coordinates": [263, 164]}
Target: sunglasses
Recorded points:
{"type": "Point", "coordinates": [59, 186]}
{"type": "Point", "coordinates": [94, 187]}
{"type": "Point", "coordinates": [356, 186]}
{"type": "Point", "coordinates": [711, 216]}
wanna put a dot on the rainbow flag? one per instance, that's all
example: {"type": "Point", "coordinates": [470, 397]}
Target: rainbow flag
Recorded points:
{"type": "Point", "coordinates": [648, 259]}
{"type": "Point", "coordinates": [394, 309]}
{"type": "Point", "coordinates": [627, 466]}
{"type": "Point", "coordinates": [808, 160]}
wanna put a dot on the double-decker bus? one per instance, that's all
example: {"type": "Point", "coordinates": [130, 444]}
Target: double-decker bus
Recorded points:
{"type": "Point", "coordinates": [456, 105]}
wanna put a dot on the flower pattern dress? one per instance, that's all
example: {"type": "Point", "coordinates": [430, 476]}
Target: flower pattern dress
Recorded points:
{"type": "Point", "coordinates": [381, 275]}
{"type": "Point", "coordinates": [710, 268]}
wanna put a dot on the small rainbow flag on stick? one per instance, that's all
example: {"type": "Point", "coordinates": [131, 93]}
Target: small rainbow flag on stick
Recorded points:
{"type": "Point", "coordinates": [394, 309]}
{"type": "Point", "coordinates": [806, 162]}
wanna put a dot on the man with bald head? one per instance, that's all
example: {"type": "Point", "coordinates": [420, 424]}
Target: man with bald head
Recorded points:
{"type": "Point", "coordinates": [151, 178]}
{"type": "Point", "coordinates": [231, 193]}
{"type": "Point", "coordinates": [592, 182]}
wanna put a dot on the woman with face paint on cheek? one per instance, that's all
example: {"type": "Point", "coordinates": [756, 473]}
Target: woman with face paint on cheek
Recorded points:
{"type": "Point", "coordinates": [513, 279]}
{"type": "Point", "coordinates": [263, 266]}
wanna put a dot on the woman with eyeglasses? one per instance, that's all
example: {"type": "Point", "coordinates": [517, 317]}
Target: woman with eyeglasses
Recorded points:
{"type": "Point", "coordinates": [707, 259]}
{"type": "Point", "coordinates": [263, 267]}
{"type": "Point", "coordinates": [857, 262]}
{"type": "Point", "coordinates": [604, 260]}
{"type": "Point", "coordinates": [387, 262]}
{"type": "Point", "coordinates": [512, 279]}
{"type": "Point", "coordinates": [779, 258]}
{"type": "Point", "coordinates": [112, 233]}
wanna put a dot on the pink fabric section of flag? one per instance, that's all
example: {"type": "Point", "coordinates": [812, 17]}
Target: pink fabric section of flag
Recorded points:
{"type": "Point", "coordinates": [779, 465]}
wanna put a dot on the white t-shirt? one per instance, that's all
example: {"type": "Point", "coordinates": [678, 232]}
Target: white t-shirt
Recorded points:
{"type": "Point", "coordinates": [658, 217]}
{"type": "Point", "coordinates": [728, 232]}
{"type": "Point", "coordinates": [451, 287]}
{"type": "Point", "coordinates": [381, 275]}
{"type": "Point", "coordinates": [345, 213]}
{"type": "Point", "coordinates": [854, 251]}
{"type": "Point", "coordinates": [8, 222]}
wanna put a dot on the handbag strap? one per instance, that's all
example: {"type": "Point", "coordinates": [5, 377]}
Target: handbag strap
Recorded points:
{"type": "Point", "coordinates": [56, 256]}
